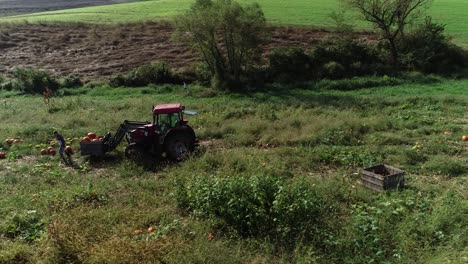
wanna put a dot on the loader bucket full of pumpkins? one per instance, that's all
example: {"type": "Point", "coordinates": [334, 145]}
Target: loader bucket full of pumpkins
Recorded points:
{"type": "Point", "coordinates": [92, 137]}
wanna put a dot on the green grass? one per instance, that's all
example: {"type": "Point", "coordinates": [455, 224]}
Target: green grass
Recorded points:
{"type": "Point", "coordinates": [294, 12]}
{"type": "Point", "coordinates": [309, 142]}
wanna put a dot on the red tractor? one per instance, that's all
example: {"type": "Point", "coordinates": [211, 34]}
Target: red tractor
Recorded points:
{"type": "Point", "coordinates": [169, 135]}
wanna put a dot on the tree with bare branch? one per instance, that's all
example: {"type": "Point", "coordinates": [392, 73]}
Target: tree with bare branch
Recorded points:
{"type": "Point", "coordinates": [390, 17]}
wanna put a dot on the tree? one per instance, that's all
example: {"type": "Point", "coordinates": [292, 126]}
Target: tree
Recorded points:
{"type": "Point", "coordinates": [227, 35]}
{"type": "Point", "coordinates": [390, 17]}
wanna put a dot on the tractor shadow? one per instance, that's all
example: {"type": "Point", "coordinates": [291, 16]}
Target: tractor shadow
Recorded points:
{"type": "Point", "coordinates": [113, 160]}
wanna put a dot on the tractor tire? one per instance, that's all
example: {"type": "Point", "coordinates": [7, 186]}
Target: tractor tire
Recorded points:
{"type": "Point", "coordinates": [134, 152]}
{"type": "Point", "coordinates": [178, 146]}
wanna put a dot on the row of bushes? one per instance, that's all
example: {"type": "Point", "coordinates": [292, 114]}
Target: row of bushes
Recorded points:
{"type": "Point", "coordinates": [426, 50]}
{"type": "Point", "coordinates": [35, 82]}
{"type": "Point", "coordinates": [31, 81]}
{"type": "Point", "coordinates": [156, 73]}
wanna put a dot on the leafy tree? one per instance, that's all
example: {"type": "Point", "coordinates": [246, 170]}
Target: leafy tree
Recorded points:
{"type": "Point", "coordinates": [390, 17]}
{"type": "Point", "coordinates": [227, 35]}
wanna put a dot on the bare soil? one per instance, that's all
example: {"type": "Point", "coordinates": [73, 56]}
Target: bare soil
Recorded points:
{"type": "Point", "coordinates": [99, 51]}
{"type": "Point", "coordinates": [16, 7]}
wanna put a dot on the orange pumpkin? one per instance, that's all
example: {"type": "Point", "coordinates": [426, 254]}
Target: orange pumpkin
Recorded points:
{"type": "Point", "coordinates": [69, 149]}
{"type": "Point", "coordinates": [138, 232]}
{"type": "Point", "coordinates": [2, 155]}
{"type": "Point", "coordinates": [465, 138]}
{"type": "Point", "coordinates": [86, 139]}
{"type": "Point", "coordinates": [92, 135]}
{"type": "Point", "coordinates": [43, 151]}
{"type": "Point", "coordinates": [52, 152]}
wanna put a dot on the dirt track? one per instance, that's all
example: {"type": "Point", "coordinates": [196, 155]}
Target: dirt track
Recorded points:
{"type": "Point", "coordinates": [92, 51]}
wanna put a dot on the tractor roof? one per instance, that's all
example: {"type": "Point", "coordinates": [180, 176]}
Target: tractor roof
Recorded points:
{"type": "Point", "coordinates": [167, 108]}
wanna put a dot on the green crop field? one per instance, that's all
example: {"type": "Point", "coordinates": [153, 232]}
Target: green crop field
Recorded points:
{"type": "Point", "coordinates": [275, 179]}
{"type": "Point", "coordinates": [453, 13]}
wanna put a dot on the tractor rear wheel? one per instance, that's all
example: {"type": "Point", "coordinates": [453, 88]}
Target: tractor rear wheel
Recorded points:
{"type": "Point", "coordinates": [178, 146]}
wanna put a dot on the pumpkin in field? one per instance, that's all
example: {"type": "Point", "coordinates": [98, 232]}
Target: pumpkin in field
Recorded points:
{"type": "Point", "coordinates": [50, 149]}
{"type": "Point", "coordinates": [86, 139]}
{"type": "Point", "coordinates": [92, 135]}
{"type": "Point", "coordinates": [43, 151]}
{"type": "Point", "coordinates": [69, 149]}
{"type": "Point", "coordinates": [52, 152]}
{"type": "Point", "coordinates": [465, 138]}
{"type": "Point", "coordinates": [2, 155]}
{"type": "Point", "coordinates": [138, 232]}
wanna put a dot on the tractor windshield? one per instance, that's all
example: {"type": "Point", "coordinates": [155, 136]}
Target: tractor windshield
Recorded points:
{"type": "Point", "coordinates": [166, 121]}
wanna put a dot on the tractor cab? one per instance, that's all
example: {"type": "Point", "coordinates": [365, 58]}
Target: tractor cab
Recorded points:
{"type": "Point", "coordinates": [167, 116]}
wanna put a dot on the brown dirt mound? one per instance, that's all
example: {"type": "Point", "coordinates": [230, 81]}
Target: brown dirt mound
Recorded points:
{"type": "Point", "coordinates": [98, 51]}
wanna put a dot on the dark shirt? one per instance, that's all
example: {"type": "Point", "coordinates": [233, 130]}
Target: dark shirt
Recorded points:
{"type": "Point", "coordinates": [60, 140]}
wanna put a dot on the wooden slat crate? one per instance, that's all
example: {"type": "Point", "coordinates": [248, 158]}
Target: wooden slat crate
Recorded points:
{"type": "Point", "coordinates": [383, 177]}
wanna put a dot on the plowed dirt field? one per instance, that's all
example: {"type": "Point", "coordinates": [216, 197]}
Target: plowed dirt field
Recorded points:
{"type": "Point", "coordinates": [98, 51]}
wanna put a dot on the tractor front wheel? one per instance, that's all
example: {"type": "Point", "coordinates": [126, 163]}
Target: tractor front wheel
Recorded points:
{"type": "Point", "coordinates": [134, 152]}
{"type": "Point", "coordinates": [178, 146]}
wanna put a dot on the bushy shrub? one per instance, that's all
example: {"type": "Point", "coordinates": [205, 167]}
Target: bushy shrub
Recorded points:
{"type": "Point", "coordinates": [289, 65]}
{"type": "Point", "coordinates": [333, 70]}
{"type": "Point", "coordinates": [261, 206]}
{"type": "Point", "coordinates": [344, 57]}
{"type": "Point", "coordinates": [118, 80]}
{"type": "Point", "coordinates": [27, 226]}
{"type": "Point", "coordinates": [157, 73]}
{"type": "Point", "coordinates": [427, 49]}
{"type": "Point", "coordinates": [202, 73]}
{"type": "Point", "coordinates": [33, 81]}
{"type": "Point", "coordinates": [9, 85]}
{"type": "Point", "coordinates": [71, 81]}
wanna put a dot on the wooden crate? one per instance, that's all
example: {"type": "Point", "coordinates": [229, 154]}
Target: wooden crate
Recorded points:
{"type": "Point", "coordinates": [383, 177]}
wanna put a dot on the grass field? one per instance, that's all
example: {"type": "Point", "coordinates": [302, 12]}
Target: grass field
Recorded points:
{"type": "Point", "coordinates": [453, 13]}
{"type": "Point", "coordinates": [309, 142]}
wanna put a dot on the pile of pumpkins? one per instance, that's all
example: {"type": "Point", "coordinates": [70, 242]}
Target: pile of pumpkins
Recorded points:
{"type": "Point", "coordinates": [11, 141]}
{"type": "Point", "coordinates": [52, 152]}
{"type": "Point", "coordinates": [49, 151]}
{"type": "Point", "coordinates": [92, 137]}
